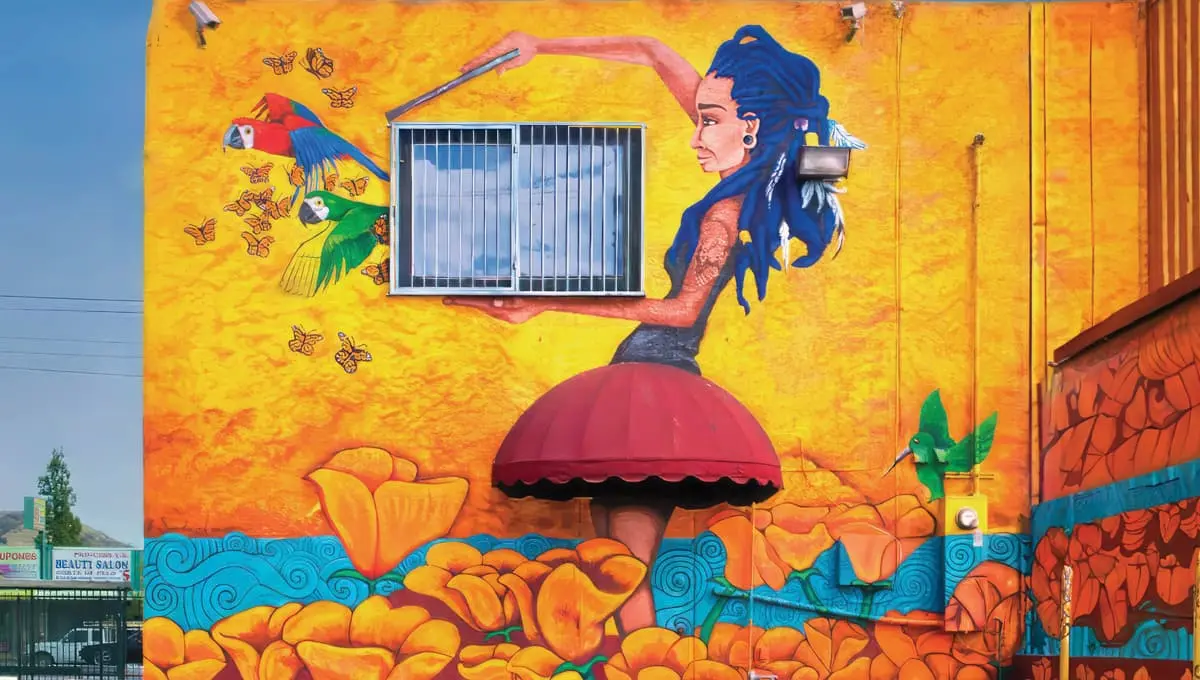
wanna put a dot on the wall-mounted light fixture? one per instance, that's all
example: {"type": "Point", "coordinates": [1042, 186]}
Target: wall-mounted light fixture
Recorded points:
{"type": "Point", "coordinates": [853, 15]}
{"type": "Point", "coordinates": [204, 19]}
{"type": "Point", "coordinates": [823, 162]}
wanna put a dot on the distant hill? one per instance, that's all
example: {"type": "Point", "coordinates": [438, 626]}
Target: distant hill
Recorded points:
{"type": "Point", "coordinates": [13, 532]}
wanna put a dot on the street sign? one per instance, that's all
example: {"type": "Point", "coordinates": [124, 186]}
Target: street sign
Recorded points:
{"type": "Point", "coordinates": [35, 513]}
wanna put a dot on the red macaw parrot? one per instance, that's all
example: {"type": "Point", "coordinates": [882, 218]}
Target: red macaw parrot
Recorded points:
{"type": "Point", "coordinates": [288, 128]}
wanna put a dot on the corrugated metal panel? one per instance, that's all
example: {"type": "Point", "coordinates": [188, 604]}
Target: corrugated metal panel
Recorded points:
{"type": "Point", "coordinates": [1173, 65]}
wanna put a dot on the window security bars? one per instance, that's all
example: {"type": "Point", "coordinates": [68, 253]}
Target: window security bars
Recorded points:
{"type": "Point", "coordinates": [510, 209]}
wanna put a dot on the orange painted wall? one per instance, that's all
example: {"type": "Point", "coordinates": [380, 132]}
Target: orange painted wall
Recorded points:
{"type": "Point", "coordinates": [895, 313]}
{"type": "Point", "coordinates": [961, 270]}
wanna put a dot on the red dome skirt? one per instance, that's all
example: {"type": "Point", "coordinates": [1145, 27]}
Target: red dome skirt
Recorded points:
{"type": "Point", "coordinates": [639, 430]}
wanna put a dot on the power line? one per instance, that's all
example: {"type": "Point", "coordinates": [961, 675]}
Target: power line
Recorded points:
{"type": "Point", "coordinates": [71, 354]}
{"type": "Point", "coordinates": [80, 311]}
{"type": "Point", "coordinates": [34, 369]}
{"type": "Point", "coordinates": [68, 299]}
{"type": "Point", "coordinates": [27, 338]}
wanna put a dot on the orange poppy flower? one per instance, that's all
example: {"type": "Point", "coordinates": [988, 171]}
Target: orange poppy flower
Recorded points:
{"type": "Point", "coordinates": [566, 596]}
{"type": "Point", "coordinates": [1174, 580]}
{"type": "Point", "coordinates": [878, 538]}
{"type": "Point", "coordinates": [1042, 669]}
{"type": "Point", "coordinates": [1137, 577]}
{"type": "Point", "coordinates": [905, 647]}
{"type": "Point", "coordinates": [507, 661]}
{"type": "Point", "coordinates": [1189, 522]}
{"type": "Point", "coordinates": [826, 650]}
{"type": "Point", "coordinates": [1092, 566]}
{"type": "Point", "coordinates": [170, 653]}
{"type": "Point", "coordinates": [987, 608]}
{"type": "Point", "coordinates": [468, 582]}
{"type": "Point", "coordinates": [782, 540]}
{"type": "Point", "coordinates": [326, 640]}
{"type": "Point", "coordinates": [1169, 519]}
{"type": "Point", "coordinates": [1133, 529]}
{"type": "Point", "coordinates": [665, 655]}
{"type": "Point", "coordinates": [1046, 580]}
{"type": "Point", "coordinates": [381, 510]}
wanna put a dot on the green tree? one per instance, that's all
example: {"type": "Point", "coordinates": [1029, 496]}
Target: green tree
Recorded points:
{"type": "Point", "coordinates": [63, 528]}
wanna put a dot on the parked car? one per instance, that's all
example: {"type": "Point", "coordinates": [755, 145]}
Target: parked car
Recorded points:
{"type": "Point", "coordinates": [109, 653]}
{"type": "Point", "coordinates": [66, 649]}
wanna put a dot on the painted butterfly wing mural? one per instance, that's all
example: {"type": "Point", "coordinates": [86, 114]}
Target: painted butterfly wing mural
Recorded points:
{"type": "Point", "coordinates": [350, 355]}
{"type": "Point", "coordinates": [203, 234]}
{"type": "Point", "coordinates": [316, 63]}
{"type": "Point", "coordinates": [304, 342]}
{"type": "Point", "coordinates": [282, 64]}
{"type": "Point", "coordinates": [257, 246]}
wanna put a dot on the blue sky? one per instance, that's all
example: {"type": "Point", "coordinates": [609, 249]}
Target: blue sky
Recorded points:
{"type": "Point", "coordinates": [73, 72]}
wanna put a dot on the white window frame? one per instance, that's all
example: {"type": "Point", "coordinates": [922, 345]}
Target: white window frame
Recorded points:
{"type": "Point", "coordinates": [403, 217]}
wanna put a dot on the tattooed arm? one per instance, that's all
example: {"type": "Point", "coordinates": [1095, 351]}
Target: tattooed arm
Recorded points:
{"type": "Point", "coordinates": [718, 234]}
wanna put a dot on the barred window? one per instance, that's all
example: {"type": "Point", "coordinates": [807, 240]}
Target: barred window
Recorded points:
{"type": "Point", "coordinates": [502, 209]}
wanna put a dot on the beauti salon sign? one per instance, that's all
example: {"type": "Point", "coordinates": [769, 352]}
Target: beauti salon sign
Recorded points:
{"type": "Point", "coordinates": [18, 564]}
{"type": "Point", "coordinates": [89, 564]}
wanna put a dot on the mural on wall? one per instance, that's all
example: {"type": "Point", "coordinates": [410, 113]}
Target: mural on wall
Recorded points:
{"type": "Point", "coordinates": [935, 452]}
{"type": "Point", "coordinates": [1132, 595]}
{"type": "Point", "coordinates": [312, 518]}
{"type": "Point", "coordinates": [1128, 410]}
{"type": "Point", "coordinates": [1122, 487]}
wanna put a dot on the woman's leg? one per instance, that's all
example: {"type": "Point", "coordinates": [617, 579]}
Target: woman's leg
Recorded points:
{"type": "Point", "coordinates": [640, 527]}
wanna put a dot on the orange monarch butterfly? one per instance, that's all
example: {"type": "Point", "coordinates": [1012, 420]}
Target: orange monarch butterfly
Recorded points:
{"type": "Point", "coordinates": [260, 175]}
{"type": "Point", "coordinates": [331, 181]}
{"type": "Point", "coordinates": [205, 233]}
{"type": "Point", "coordinates": [282, 64]}
{"type": "Point", "coordinates": [382, 229]}
{"type": "Point", "coordinates": [356, 186]}
{"type": "Point", "coordinates": [316, 63]}
{"type": "Point", "coordinates": [296, 175]}
{"type": "Point", "coordinates": [259, 247]}
{"type": "Point", "coordinates": [378, 272]}
{"type": "Point", "coordinates": [341, 99]}
{"type": "Point", "coordinates": [241, 204]}
{"type": "Point", "coordinates": [303, 342]}
{"type": "Point", "coordinates": [259, 223]}
{"type": "Point", "coordinates": [273, 209]}
{"type": "Point", "coordinates": [350, 355]}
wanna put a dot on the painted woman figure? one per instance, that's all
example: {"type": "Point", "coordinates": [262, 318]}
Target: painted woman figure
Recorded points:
{"type": "Point", "coordinates": [647, 433]}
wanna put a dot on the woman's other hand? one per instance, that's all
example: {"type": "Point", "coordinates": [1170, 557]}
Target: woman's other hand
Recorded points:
{"type": "Point", "coordinates": [525, 44]}
{"type": "Point", "coordinates": [509, 309]}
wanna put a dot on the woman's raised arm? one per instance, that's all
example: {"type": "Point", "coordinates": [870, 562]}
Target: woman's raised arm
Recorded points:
{"type": "Point", "coordinates": [674, 71]}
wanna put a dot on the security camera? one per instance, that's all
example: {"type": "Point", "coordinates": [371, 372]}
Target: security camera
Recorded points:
{"type": "Point", "coordinates": [204, 19]}
{"type": "Point", "coordinates": [854, 12]}
{"type": "Point", "coordinates": [204, 16]}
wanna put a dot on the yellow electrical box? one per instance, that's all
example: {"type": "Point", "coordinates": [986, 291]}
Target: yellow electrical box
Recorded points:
{"type": "Point", "coordinates": [963, 515]}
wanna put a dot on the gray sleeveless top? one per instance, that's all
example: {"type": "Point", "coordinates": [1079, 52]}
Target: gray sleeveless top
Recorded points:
{"type": "Point", "coordinates": [678, 347]}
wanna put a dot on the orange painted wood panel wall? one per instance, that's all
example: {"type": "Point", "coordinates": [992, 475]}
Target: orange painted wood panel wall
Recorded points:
{"type": "Point", "coordinates": [1173, 73]}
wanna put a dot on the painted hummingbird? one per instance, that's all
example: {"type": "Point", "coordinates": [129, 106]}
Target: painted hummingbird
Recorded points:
{"type": "Point", "coordinates": [935, 453]}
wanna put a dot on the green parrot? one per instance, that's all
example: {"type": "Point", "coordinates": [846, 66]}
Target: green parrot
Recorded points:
{"type": "Point", "coordinates": [936, 453]}
{"type": "Point", "coordinates": [345, 243]}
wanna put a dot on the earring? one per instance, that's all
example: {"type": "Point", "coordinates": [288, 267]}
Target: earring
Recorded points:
{"type": "Point", "coordinates": [748, 140]}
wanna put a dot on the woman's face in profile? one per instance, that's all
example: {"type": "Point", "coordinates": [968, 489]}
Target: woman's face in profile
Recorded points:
{"type": "Point", "coordinates": [720, 136]}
